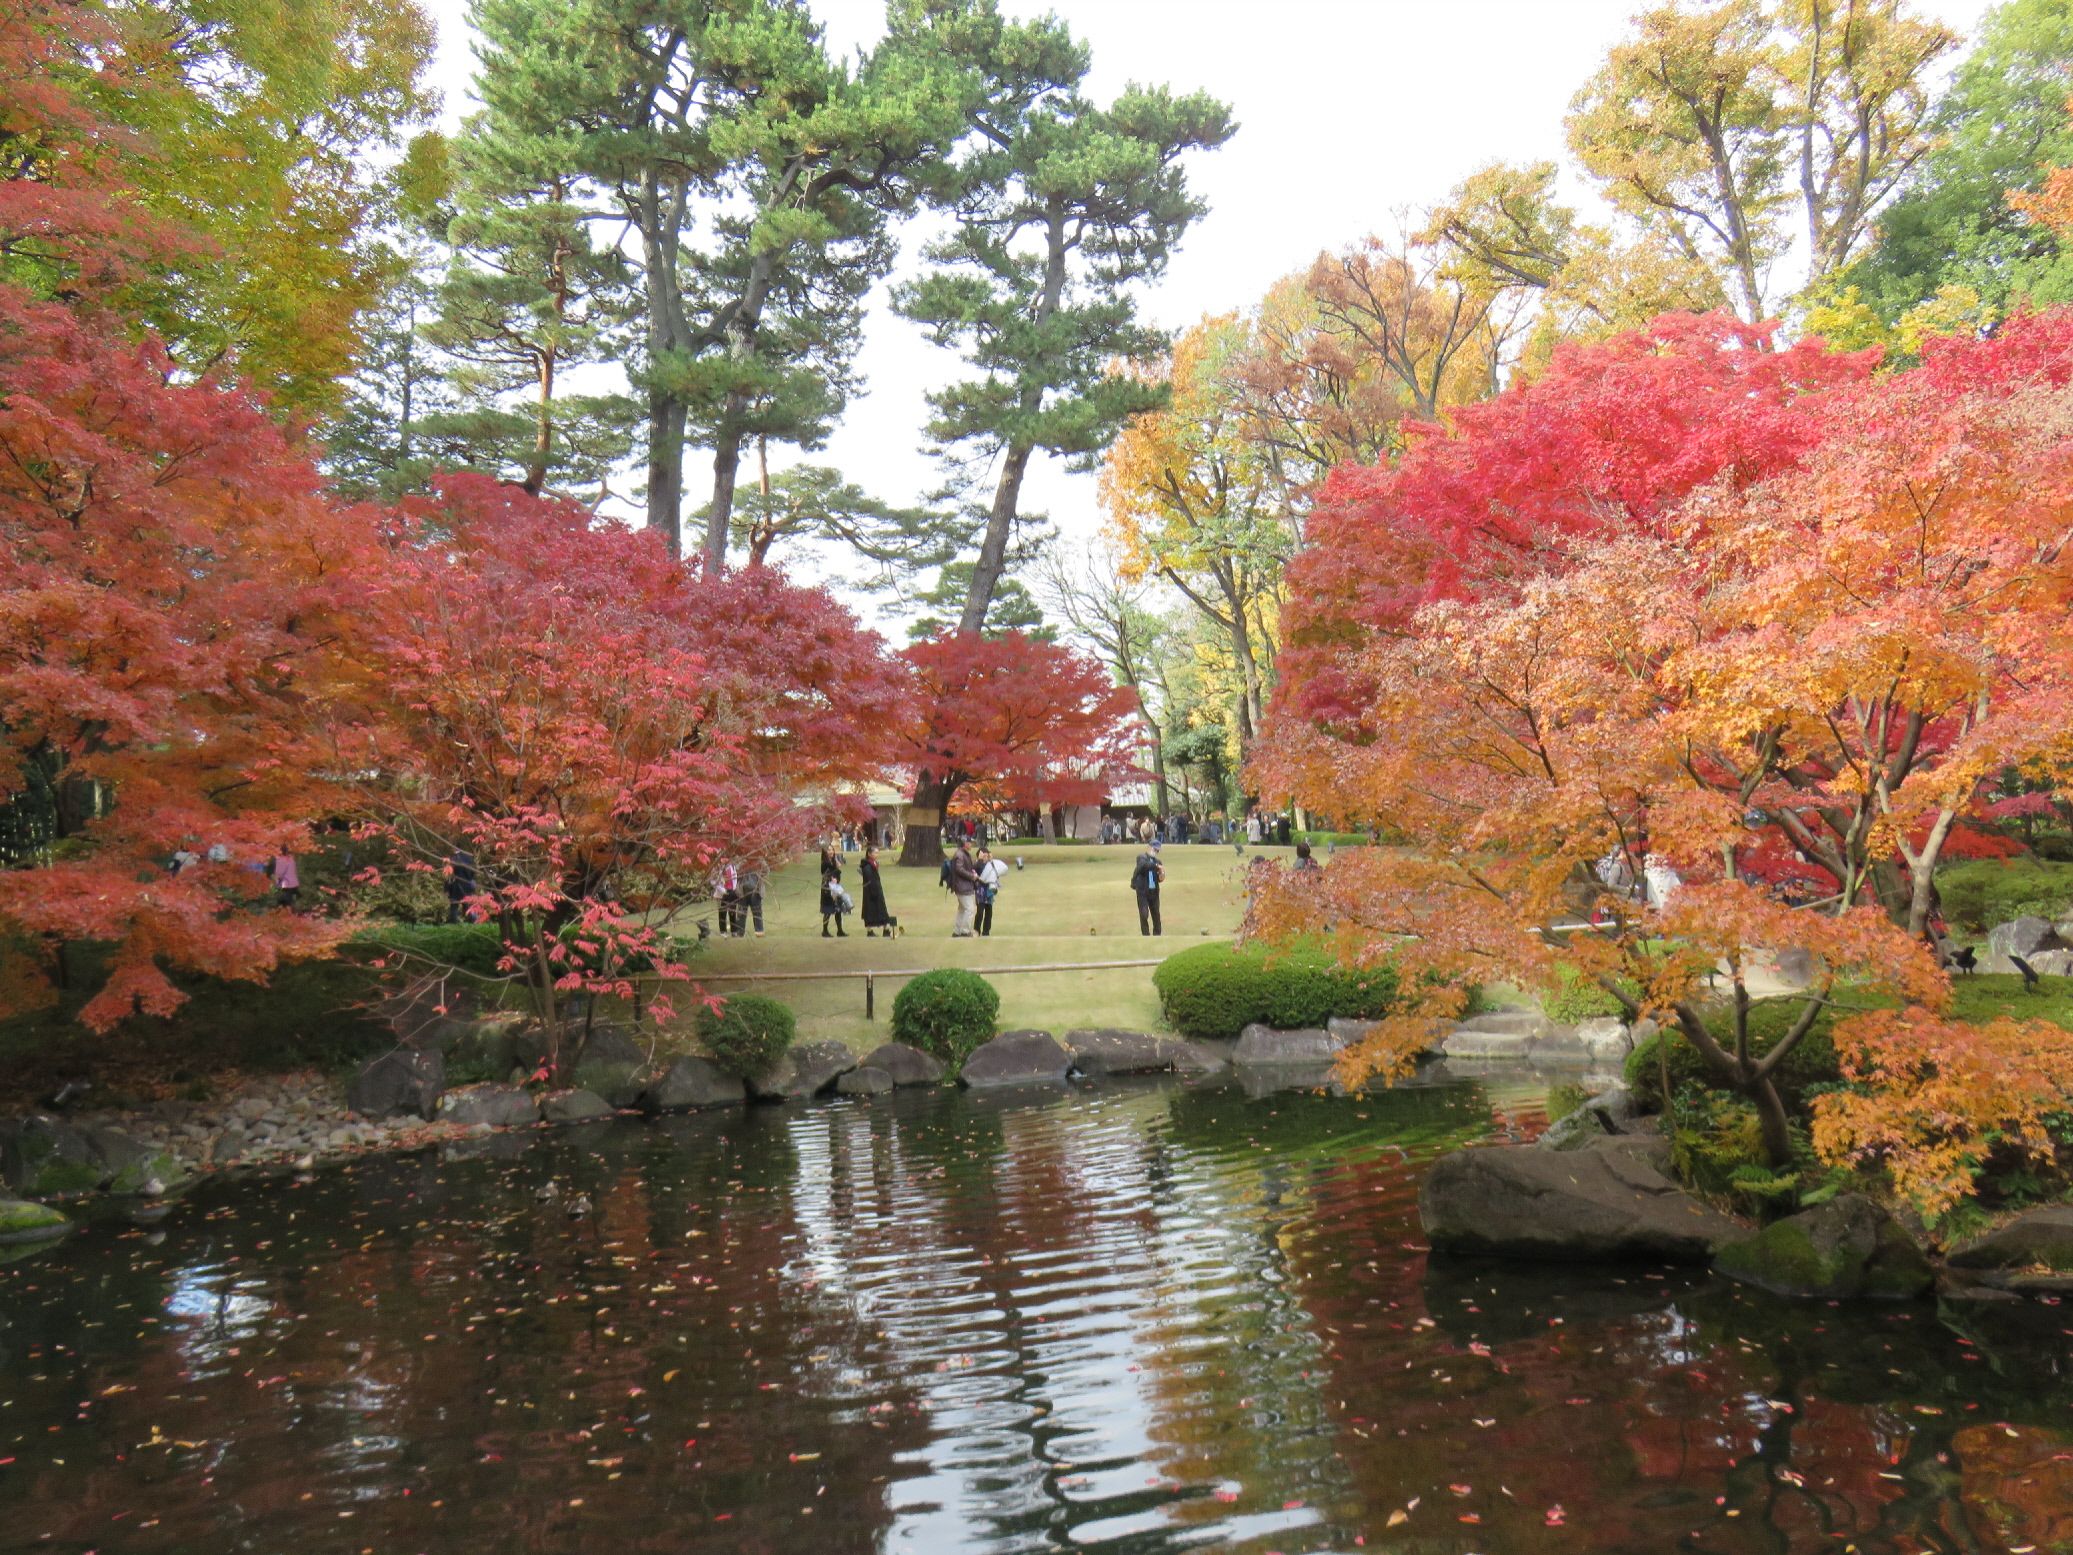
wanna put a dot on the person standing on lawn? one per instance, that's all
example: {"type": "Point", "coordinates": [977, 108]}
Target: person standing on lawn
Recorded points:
{"type": "Point", "coordinates": [991, 873]}
{"type": "Point", "coordinates": [748, 900]}
{"type": "Point", "coordinates": [964, 887]}
{"type": "Point", "coordinates": [1145, 880]}
{"type": "Point", "coordinates": [831, 887]}
{"type": "Point", "coordinates": [875, 915]}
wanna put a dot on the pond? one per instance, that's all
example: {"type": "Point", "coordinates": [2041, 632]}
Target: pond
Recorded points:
{"type": "Point", "coordinates": [1142, 1318]}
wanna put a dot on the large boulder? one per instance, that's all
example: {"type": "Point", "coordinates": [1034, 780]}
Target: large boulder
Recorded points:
{"type": "Point", "coordinates": [2025, 937]}
{"type": "Point", "coordinates": [1502, 1034]}
{"type": "Point", "coordinates": [44, 1157]}
{"type": "Point", "coordinates": [2036, 1237]}
{"type": "Point", "coordinates": [1608, 1200]}
{"type": "Point", "coordinates": [1264, 1047]}
{"type": "Point", "coordinates": [1121, 1052]}
{"type": "Point", "coordinates": [499, 1106]}
{"type": "Point", "coordinates": [906, 1065]}
{"type": "Point", "coordinates": [614, 1064]}
{"type": "Point", "coordinates": [1609, 1112]}
{"type": "Point", "coordinates": [1016, 1058]}
{"type": "Point", "coordinates": [1199, 1058]}
{"type": "Point", "coordinates": [492, 1044]}
{"type": "Point", "coordinates": [807, 1069]}
{"type": "Point", "coordinates": [573, 1107]}
{"type": "Point", "coordinates": [128, 1165]}
{"type": "Point", "coordinates": [864, 1081]}
{"type": "Point", "coordinates": [1606, 1038]}
{"type": "Point", "coordinates": [690, 1082]}
{"type": "Point", "coordinates": [1847, 1249]}
{"type": "Point", "coordinates": [403, 1082]}
{"type": "Point", "coordinates": [21, 1221]}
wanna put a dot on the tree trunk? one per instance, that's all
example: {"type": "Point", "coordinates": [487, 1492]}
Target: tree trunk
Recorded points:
{"type": "Point", "coordinates": [666, 467]}
{"type": "Point", "coordinates": [1770, 1111]}
{"type": "Point", "coordinates": [924, 845]}
{"type": "Point", "coordinates": [719, 517]}
{"type": "Point", "coordinates": [1000, 520]}
{"type": "Point", "coordinates": [993, 550]}
{"type": "Point", "coordinates": [543, 428]}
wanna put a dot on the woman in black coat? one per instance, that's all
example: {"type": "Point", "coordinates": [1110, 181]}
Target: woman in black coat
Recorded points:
{"type": "Point", "coordinates": [875, 915]}
{"type": "Point", "coordinates": [831, 904]}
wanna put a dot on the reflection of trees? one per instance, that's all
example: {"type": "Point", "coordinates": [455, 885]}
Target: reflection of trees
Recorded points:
{"type": "Point", "coordinates": [978, 1323]}
{"type": "Point", "coordinates": [408, 1334]}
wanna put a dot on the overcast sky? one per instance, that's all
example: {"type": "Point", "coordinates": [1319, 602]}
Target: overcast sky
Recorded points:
{"type": "Point", "coordinates": [1348, 112]}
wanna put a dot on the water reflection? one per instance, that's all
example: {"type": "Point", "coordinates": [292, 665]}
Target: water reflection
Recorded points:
{"type": "Point", "coordinates": [1141, 1318]}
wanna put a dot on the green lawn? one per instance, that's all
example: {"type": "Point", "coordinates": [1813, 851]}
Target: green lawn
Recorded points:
{"type": "Point", "coordinates": [1069, 904]}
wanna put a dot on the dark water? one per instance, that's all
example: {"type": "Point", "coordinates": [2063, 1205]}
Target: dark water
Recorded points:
{"type": "Point", "coordinates": [1139, 1319]}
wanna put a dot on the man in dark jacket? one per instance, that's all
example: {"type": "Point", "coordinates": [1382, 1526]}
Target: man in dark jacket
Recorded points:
{"type": "Point", "coordinates": [1145, 880]}
{"type": "Point", "coordinates": [964, 885]}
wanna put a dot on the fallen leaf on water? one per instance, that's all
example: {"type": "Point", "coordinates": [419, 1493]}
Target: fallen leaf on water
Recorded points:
{"type": "Point", "coordinates": [1398, 1518]}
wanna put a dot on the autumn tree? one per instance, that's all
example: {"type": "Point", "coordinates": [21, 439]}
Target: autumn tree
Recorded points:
{"type": "Point", "coordinates": [1504, 229]}
{"type": "Point", "coordinates": [561, 706]}
{"type": "Point", "coordinates": [1034, 723]}
{"type": "Point", "coordinates": [1855, 613]}
{"type": "Point", "coordinates": [1998, 129]}
{"type": "Point", "coordinates": [1194, 500]}
{"type": "Point", "coordinates": [280, 136]}
{"type": "Point", "coordinates": [183, 605]}
{"type": "Point", "coordinates": [1731, 130]}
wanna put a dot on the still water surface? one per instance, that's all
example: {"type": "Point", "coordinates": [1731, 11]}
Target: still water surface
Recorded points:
{"type": "Point", "coordinates": [1143, 1318]}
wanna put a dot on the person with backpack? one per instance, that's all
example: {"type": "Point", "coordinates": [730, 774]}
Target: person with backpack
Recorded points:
{"type": "Point", "coordinates": [1145, 879]}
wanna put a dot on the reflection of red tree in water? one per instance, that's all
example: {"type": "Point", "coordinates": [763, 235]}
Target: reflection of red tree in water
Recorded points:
{"type": "Point", "coordinates": [472, 1364]}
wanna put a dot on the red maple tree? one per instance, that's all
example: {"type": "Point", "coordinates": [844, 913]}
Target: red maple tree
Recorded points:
{"type": "Point", "coordinates": [596, 727]}
{"type": "Point", "coordinates": [1033, 722]}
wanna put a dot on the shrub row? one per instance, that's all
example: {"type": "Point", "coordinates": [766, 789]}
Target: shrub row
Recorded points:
{"type": "Point", "coordinates": [1216, 991]}
{"type": "Point", "coordinates": [1979, 893]}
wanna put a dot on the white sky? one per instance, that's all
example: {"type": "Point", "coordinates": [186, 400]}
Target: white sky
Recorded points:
{"type": "Point", "coordinates": [1348, 111]}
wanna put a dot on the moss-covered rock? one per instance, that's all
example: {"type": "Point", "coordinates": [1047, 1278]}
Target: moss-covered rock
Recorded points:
{"type": "Point", "coordinates": [47, 1158]}
{"type": "Point", "coordinates": [1846, 1249]}
{"type": "Point", "coordinates": [21, 1221]}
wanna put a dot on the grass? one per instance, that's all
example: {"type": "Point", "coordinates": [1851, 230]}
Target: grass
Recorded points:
{"type": "Point", "coordinates": [1069, 904]}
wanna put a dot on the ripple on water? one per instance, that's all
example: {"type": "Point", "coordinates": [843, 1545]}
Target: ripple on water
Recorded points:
{"type": "Point", "coordinates": [1139, 1318]}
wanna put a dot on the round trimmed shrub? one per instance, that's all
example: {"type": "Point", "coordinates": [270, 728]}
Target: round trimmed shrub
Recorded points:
{"type": "Point", "coordinates": [1216, 991]}
{"type": "Point", "coordinates": [747, 1034]}
{"type": "Point", "coordinates": [947, 1014]}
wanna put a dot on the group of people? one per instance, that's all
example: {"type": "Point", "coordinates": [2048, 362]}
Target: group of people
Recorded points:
{"type": "Point", "coordinates": [280, 868]}
{"type": "Point", "coordinates": [1258, 829]}
{"type": "Point", "coordinates": [973, 879]}
{"type": "Point", "coordinates": [837, 903]}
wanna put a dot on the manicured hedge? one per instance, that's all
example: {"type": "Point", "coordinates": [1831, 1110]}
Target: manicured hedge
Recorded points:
{"type": "Point", "coordinates": [946, 1013]}
{"type": "Point", "coordinates": [1811, 1063]}
{"type": "Point", "coordinates": [1216, 991]}
{"type": "Point", "coordinates": [747, 1034]}
{"type": "Point", "coordinates": [1980, 893]}
{"type": "Point", "coordinates": [472, 947]}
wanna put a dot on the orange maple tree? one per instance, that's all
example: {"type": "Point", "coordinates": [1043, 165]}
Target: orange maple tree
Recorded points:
{"type": "Point", "coordinates": [1827, 632]}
